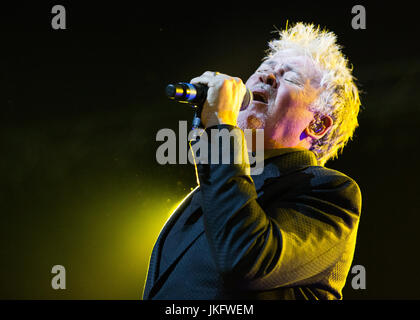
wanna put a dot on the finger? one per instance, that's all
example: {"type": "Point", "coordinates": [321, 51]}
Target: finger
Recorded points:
{"type": "Point", "coordinates": [201, 80]}
{"type": "Point", "coordinates": [209, 74]}
{"type": "Point", "coordinates": [238, 80]}
{"type": "Point", "coordinates": [208, 77]}
{"type": "Point", "coordinates": [212, 73]}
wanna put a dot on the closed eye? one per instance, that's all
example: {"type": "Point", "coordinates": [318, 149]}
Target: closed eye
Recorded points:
{"type": "Point", "coordinates": [293, 77]}
{"type": "Point", "coordinates": [293, 81]}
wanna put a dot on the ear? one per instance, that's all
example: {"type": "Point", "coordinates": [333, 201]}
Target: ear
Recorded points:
{"type": "Point", "coordinates": [317, 129]}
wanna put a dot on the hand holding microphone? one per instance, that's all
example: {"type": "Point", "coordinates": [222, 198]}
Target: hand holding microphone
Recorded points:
{"type": "Point", "coordinates": [223, 97]}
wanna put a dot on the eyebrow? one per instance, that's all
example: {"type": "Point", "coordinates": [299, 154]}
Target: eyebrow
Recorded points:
{"type": "Point", "coordinates": [286, 66]}
{"type": "Point", "coordinates": [269, 62]}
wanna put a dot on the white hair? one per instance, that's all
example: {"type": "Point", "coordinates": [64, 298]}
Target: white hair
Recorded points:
{"type": "Point", "coordinates": [339, 96]}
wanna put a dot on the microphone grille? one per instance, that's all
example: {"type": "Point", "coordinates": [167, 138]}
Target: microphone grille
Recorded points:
{"type": "Point", "coordinates": [247, 99]}
{"type": "Point", "coordinates": [170, 90]}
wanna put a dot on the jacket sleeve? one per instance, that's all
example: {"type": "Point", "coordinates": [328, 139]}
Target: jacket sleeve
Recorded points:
{"type": "Point", "coordinates": [292, 239]}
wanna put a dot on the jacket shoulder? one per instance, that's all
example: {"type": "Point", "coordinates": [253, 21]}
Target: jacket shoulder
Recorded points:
{"type": "Point", "coordinates": [326, 177]}
{"type": "Point", "coordinates": [337, 185]}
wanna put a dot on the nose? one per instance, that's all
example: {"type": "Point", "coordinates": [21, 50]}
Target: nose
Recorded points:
{"type": "Point", "coordinates": [269, 79]}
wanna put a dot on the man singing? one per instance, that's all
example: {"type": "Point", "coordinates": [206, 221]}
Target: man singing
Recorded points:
{"type": "Point", "coordinates": [290, 232]}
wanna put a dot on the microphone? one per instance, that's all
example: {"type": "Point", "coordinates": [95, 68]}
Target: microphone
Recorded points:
{"type": "Point", "coordinates": [196, 94]}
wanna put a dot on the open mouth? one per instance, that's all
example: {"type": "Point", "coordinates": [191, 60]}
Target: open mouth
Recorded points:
{"type": "Point", "coordinates": [259, 96]}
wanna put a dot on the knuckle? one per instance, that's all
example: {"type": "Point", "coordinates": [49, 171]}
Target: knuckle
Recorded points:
{"type": "Point", "coordinates": [224, 83]}
{"type": "Point", "coordinates": [238, 81]}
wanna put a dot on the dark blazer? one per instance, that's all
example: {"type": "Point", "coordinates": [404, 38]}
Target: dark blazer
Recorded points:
{"type": "Point", "coordinates": [288, 233]}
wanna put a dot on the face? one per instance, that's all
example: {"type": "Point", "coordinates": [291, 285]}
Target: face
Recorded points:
{"type": "Point", "coordinates": [283, 86]}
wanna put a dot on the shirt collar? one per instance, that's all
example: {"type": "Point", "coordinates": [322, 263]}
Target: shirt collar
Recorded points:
{"type": "Point", "coordinates": [289, 158]}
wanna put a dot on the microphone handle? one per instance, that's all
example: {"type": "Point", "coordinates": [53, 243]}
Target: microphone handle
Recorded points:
{"type": "Point", "coordinates": [196, 94]}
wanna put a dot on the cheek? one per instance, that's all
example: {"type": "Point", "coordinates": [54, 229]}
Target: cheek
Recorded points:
{"type": "Point", "coordinates": [291, 118]}
{"type": "Point", "coordinates": [282, 105]}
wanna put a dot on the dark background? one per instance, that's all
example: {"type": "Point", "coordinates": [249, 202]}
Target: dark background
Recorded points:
{"type": "Point", "coordinates": [80, 109]}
